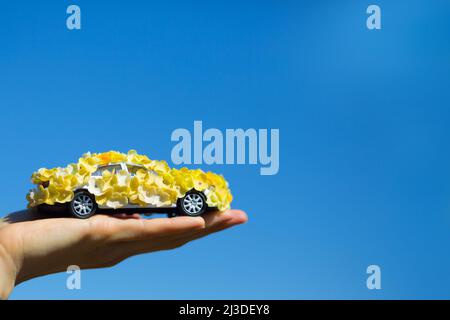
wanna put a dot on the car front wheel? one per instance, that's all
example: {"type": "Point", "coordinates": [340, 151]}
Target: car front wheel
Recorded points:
{"type": "Point", "coordinates": [192, 204]}
{"type": "Point", "coordinates": [83, 205]}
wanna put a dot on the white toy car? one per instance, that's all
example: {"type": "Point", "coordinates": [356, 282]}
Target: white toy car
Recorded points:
{"type": "Point", "coordinates": [134, 185]}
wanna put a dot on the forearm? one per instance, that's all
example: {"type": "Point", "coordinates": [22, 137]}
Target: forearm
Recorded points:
{"type": "Point", "coordinates": [8, 273]}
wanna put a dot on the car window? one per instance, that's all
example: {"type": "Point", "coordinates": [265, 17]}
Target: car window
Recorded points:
{"type": "Point", "coordinates": [134, 169]}
{"type": "Point", "coordinates": [112, 168]}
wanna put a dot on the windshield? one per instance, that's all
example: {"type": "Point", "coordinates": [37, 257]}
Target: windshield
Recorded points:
{"type": "Point", "coordinates": [134, 169]}
{"type": "Point", "coordinates": [111, 168]}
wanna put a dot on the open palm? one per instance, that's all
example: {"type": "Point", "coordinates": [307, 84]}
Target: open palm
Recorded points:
{"type": "Point", "coordinates": [31, 246]}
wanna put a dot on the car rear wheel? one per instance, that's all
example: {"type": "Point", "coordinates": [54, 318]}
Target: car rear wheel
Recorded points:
{"type": "Point", "coordinates": [192, 204]}
{"type": "Point", "coordinates": [83, 205]}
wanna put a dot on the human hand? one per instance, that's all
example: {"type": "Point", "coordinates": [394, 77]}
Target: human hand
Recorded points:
{"type": "Point", "coordinates": [32, 247]}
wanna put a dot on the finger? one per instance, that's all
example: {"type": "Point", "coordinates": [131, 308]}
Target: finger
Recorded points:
{"type": "Point", "coordinates": [218, 220]}
{"type": "Point", "coordinates": [215, 222]}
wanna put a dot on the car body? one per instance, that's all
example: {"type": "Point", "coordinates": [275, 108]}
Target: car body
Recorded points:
{"type": "Point", "coordinates": [115, 182]}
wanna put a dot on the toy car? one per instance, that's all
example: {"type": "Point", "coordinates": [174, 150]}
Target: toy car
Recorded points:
{"type": "Point", "coordinates": [114, 182]}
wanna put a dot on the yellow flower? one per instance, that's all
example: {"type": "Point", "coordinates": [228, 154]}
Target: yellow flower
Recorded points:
{"type": "Point", "coordinates": [121, 181]}
{"type": "Point", "coordinates": [159, 166]}
{"type": "Point", "coordinates": [99, 186]}
{"type": "Point", "coordinates": [216, 179]}
{"type": "Point", "coordinates": [87, 165]}
{"type": "Point", "coordinates": [168, 179]}
{"type": "Point", "coordinates": [111, 156]}
{"type": "Point", "coordinates": [182, 180]}
{"type": "Point", "coordinates": [59, 195]}
{"type": "Point", "coordinates": [133, 194]}
{"type": "Point", "coordinates": [134, 157]}
{"type": "Point", "coordinates": [148, 195]}
{"type": "Point", "coordinates": [42, 175]}
{"type": "Point", "coordinates": [200, 180]}
{"type": "Point", "coordinates": [40, 196]}
{"type": "Point", "coordinates": [117, 200]}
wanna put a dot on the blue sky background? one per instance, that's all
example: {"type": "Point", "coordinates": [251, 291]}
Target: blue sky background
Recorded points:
{"type": "Point", "coordinates": [363, 117]}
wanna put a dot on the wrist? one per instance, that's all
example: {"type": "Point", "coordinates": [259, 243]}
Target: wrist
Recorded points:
{"type": "Point", "coordinates": [8, 273]}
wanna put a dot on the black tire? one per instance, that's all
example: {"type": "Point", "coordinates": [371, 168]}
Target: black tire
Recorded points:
{"type": "Point", "coordinates": [83, 205]}
{"type": "Point", "coordinates": [193, 204]}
